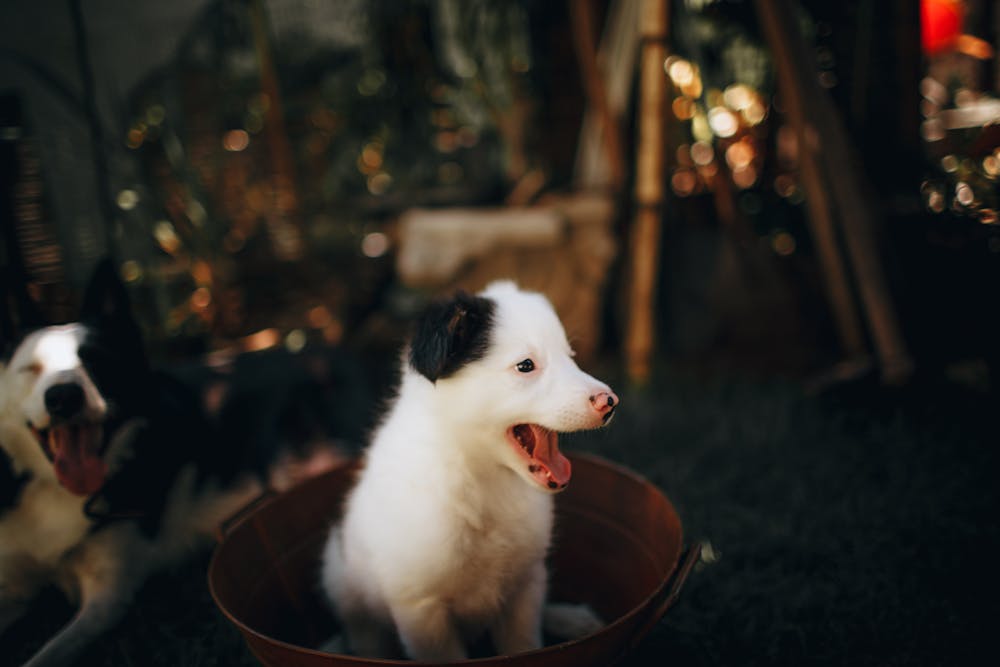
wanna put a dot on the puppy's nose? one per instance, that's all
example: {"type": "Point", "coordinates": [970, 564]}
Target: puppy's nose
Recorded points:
{"type": "Point", "coordinates": [604, 402]}
{"type": "Point", "coordinates": [64, 401]}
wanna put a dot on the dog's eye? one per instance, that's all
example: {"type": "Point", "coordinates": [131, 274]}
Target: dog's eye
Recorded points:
{"type": "Point", "coordinates": [525, 366]}
{"type": "Point", "coordinates": [34, 368]}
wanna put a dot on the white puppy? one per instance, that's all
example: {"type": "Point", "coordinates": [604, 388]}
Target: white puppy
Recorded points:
{"type": "Point", "coordinates": [445, 535]}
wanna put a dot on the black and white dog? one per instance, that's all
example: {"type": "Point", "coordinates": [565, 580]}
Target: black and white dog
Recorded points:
{"type": "Point", "coordinates": [109, 470]}
{"type": "Point", "coordinates": [445, 535]}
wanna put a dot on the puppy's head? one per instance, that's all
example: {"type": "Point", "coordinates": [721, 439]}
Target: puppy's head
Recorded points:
{"type": "Point", "coordinates": [68, 383]}
{"type": "Point", "coordinates": [502, 367]}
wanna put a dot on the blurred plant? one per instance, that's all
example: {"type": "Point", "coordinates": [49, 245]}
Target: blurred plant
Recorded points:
{"type": "Point", "coordinates": [276, 140]}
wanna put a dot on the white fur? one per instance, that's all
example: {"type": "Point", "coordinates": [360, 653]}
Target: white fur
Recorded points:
{"type": "Point", "coordinates": [446, 533]}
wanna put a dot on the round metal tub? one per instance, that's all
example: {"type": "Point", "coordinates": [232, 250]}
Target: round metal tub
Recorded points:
{"type": "Point", "coordinates": [617, 547]}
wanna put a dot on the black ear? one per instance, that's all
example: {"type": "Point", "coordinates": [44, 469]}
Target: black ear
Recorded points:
{"type": "Point", "coordinates": [105, 298]}
{"type": "Point", "coordinates": [451, 334]}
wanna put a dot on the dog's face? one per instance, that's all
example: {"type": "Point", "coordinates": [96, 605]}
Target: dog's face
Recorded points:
{"type": "Point", "coordinates": [503, 365]}
{"type": "Point", "coordinates": [69, 385]}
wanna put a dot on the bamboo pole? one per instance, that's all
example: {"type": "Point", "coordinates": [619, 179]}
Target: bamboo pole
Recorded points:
{"type": "Point", "coordinates": [821, 220]}
{"type": "Point", "coordinates": [581, 15]}
{"type": "Point", "coordinates": [649, 191]}
{"type": "Point", "coordinates": [824, 137]}
{"type": "Point", "coordinates": [822, 227]}
{"type": "Point", "coordinates": [822, 224]}
{"type": "Point", "coordinates": [617, 55]}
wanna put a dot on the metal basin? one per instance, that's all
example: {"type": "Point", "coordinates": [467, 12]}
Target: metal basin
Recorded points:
{"type": "Point", "coordinates": [617, 547]}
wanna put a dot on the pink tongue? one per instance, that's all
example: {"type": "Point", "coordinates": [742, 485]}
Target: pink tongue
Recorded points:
{"type": "Point", "coordinates": [547, 453]}
{"type": "Point", "coordinates": [76, 454]}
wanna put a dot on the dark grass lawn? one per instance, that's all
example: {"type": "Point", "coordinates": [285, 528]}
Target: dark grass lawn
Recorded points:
{"type": "Point", "coordinates": [855, 527]}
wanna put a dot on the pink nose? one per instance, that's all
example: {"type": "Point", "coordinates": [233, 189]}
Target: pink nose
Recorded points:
{"type": "Point", "coordinates": [605, 403]}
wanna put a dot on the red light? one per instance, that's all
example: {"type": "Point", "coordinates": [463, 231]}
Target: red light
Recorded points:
{"type": "Point", "coordinates": [940, 25]}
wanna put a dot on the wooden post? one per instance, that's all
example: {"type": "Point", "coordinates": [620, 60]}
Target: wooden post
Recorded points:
{"type": "Point", "coordinates": [581, 15]}
{"type": "Point", "coordinates": [824, 233]}
{"type": "Point", "coordinates": [649, 191]}
{"type": "Point", "coordinates": [616, 58]}
{"type": "Point", "coordinates": [822, 224]}
{"type": "Point", "coordinates": [827, 163]}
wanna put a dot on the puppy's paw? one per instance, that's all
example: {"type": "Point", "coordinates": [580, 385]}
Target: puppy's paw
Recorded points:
{"type": "Point", "coordinates": [570, 621]}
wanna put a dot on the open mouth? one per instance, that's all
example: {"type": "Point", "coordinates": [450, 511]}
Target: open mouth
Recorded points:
{"type": "Point", "coordinates": [538, 447]}
{"type": "Point", "coordinates": [75, 449]}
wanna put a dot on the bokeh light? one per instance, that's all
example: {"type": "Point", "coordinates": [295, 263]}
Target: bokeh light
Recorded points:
{"type": "Point", "coordinates": [684, 155]}
{"type": "Point", "coordinates": [681, 71]}
{"type": "Point", "coordinates": [201, 298]}
{"type": "Point", "coordinates": [127, 199]}
{"type": "Point", "coordinates": [784, 185]}
{"type": "Point", "coordinates": [739, 154]}
{"type": "Point", "coordinates": [723, 122]}
{"type": "Point", "coordinates": [379, 183]}
{"type": "Point", "coordinates": [738, 97]}
{"type": "Point", "coordinates": [235, 140]}
{"type": "Point", "coordinates": [991, 165]}
{"type": "Point", "coordinates": [683, 108]}
{"type": "Point", "coordinates": [745, 177]}
{"type": "Point", "coordinates": [755, 113]}
{"type": "Point", "coordinates": [163, 232]}
{"type": "Point", "coordinates": [964, 194]}
{"type": "Point", "coordinates": [684, 182]}
{"type": "Point", "coordinates": [131, 271]}
{"type": "Point", "coordinates": [134, 138]}
{"type": "Point", "coordinates": [783, 243]}
{"type": "Point", "coordinates": [295, 341]}
{"type": "Point", "coordinates": [374, 244]}
{"type": "Point", "coordinates": [702, 153]}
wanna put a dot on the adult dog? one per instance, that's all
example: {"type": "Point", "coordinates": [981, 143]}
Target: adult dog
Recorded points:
{"type": "Point", "coordinates": [445, 535]}
{"type": "Point", "coordinates": [108, 469]}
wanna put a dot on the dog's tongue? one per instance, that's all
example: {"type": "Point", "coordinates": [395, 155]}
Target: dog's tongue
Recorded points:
{"type": "Point", "coordinates": [547, 453]}
{"type": "Point", "coordinates": [76, 454]}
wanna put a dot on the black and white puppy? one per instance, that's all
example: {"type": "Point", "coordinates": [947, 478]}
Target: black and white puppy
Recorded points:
{"type": "Point", "coordinates": [108, 469]}
{"type": "Point", "coordinates": [445, 535]}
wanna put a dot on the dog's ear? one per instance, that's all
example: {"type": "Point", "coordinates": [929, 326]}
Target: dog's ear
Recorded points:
{"type": "Point", "coordinates": [105, 299]}
{"type": "Point", "coordinates": [450, 334]}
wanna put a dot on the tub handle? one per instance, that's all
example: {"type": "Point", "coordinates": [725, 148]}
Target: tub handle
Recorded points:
{"type": "Point", "coordinates": [689, 558]}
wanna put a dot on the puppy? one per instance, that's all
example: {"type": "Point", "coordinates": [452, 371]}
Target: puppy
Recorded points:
{"type": "Point", "coordinates": [445, 535]}
{"type": "Point", "coordinates": [108, 470]}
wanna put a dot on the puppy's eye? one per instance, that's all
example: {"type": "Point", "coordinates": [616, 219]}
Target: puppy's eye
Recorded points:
{"type": "Point", "coordinates": [32, 368]}
{"type": "Point", "coordinates": [525, 366]}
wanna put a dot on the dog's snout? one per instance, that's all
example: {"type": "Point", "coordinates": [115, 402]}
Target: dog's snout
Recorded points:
{"type": "Point", "coordinates": [64, 401]}
{"type": "Point", "coordinates": [604, 402]}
